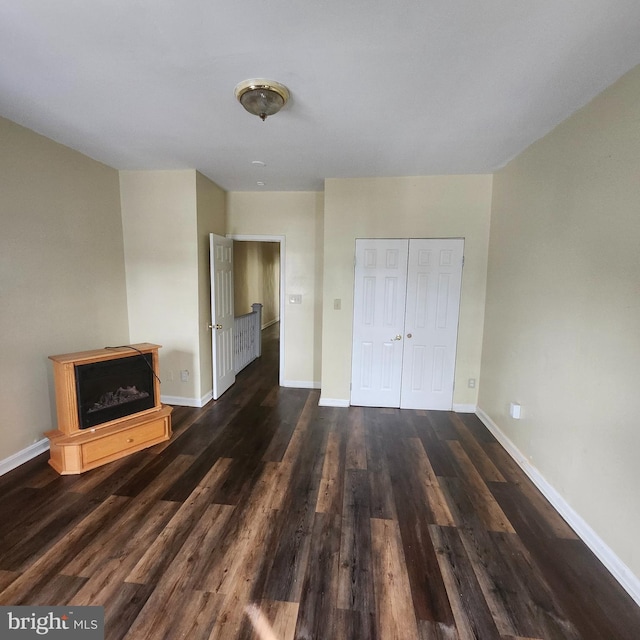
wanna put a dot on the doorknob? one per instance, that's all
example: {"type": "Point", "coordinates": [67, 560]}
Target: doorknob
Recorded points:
{"type": "Point", "coordinates": [409, 335]}
{"type": "Point", "coordinates": [218, 326]}
{"type": "Point", "coordinates": [398, 337]}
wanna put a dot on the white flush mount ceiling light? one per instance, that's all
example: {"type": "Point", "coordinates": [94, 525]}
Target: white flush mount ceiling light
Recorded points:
{"type": "Point", "coordinates": [262, 98]}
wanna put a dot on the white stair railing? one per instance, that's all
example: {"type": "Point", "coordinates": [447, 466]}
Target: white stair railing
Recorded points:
{"type": "Point", "coordinates": [247, 338]}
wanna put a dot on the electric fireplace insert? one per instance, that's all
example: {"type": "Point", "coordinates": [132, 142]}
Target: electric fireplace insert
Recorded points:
{"type": "Point", "coordinates": [113, 389]}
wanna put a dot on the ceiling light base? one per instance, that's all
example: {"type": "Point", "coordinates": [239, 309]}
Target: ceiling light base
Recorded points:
{"type": "Point", "coordinates": [261, 97]}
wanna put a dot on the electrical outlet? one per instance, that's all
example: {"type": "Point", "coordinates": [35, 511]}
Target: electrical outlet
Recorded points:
{"type": "Point", "coordinates": [184, 375]}
{"type": "Point", "coordinates": [472, 383]}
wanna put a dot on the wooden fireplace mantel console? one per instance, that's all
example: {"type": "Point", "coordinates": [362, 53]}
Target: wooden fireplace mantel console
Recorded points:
{"type": "Point", "coordinates": [73, 449]}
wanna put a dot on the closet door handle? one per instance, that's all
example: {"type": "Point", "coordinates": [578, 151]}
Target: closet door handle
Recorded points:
{"type": "Point", "coordinates": [398, 337]}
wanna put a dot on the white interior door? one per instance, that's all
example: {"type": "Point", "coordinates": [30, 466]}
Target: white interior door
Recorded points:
{"type": "Point", "coordinates": [431, 323]}
{"type": "Point", "coordinates": [378, 322]}
{"type": "Point", "coordinates": [405, 328]}
{"type": "Point", "coordinates": [221, 261]}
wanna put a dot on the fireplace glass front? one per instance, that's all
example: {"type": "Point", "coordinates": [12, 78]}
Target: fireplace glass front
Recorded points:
{"type": "Point", "coordinates": [113, 389]}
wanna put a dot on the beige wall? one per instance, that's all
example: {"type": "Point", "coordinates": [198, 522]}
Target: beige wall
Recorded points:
{"type": "Point", "coordinates": [297, 216]}
{"type": "Point", "coordinates": [424, 207]}
{"type": "Point", "coordinates": [167, 216]}
{"type": "Point", "coordinates": [256, 278]}
{"type": "Point", "coordinates": [562, 327]}
{"type": "Point", "coordinates": [62, 280]}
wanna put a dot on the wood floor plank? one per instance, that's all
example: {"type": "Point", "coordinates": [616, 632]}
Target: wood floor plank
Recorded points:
{"type": "Point", "coordinates": [419, 462]}
{"type": "Point", "coordinates": [414, 517]}
{"type": "Point", "coordinates": [295, 517]}
{"type": "Point", "coordinates": [437, 631]}
{"type": "Point", "coordinates": [320, 588]}
{"type": "Point", "coordinates": [482, 462]}
{"type": "Point", "coordinates": [349, 626]}
{"type": "Point", "coordinates": [396, 618]}
{"type": "Point", "coordinates": [281, 618]}
{"type": "Point", "coordinates": [165, 547]}
{"type": "Point", "coordinates": [519, 608]}
{"type": "Point", "coordinates": [106, 479]}
{"type": "Point", "coordinates": [57, 591]}
{"type": "Point", "coordinates": [490, 510]}
{"type": "Point", "coordinates": [572, 577]}
{"type": "Point", "coordinates": [381, 501]}
{"type": "Point", "coordinates": [355, 577]}
{"type": "Point", "coordinates": [174, 590]}
{"type": "Point", "coordinates": [216, 521]}
{"type": "Point", "coordinates": [356, 449]}
{"type": "Point", "coordinates": [238, 481]}
{"type": "Point", "coordinates": [332, 481]}
{"type": "Point", "coordinates": [121, 610]}
{"type": "Point", "coordinates": [541, 610]}
{"type": "Point", "coordinates": [299, 436]}
{"type": "Point", "coordinates": [285, 418]}
{"type": "Point", "coordinates": [58, 555]}
{"type": "Point", "coordinates": [442, 425]}
{"type": "Point", "coordinates": [557, 525]}
{"type": "Point", "coordinates": [41, 529]}
{"type": "Point", "coordinates": [116, 537]}
{"type": "Point", "coordinates": [470, 610]}
{"type": "Point", "coordinates": [439, 453]}
{"type": "Point", "coordinates": [195, 619]}
{"type": "Point", "coordinates": [189, 427]}
{"type": "Point", "coordinates": [121, 472]}
{"type": "Point", "coordinates": [23, 503]}
{"type": "Point", "coordinates": [7, 577]}
{"type": "Point", "coordinates": [127, 522]}
{"type": "Point", "coordinates": [243, 539]}
{"type": "Point", "coordinates": [477, 428]}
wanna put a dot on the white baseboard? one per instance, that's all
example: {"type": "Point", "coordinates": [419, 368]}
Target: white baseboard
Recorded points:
{"type": "Point", "coordinates": [618, 569]}
{"type": "Point", "coordinates": [300, 384]}
{"type": "Point", "coordinates": [181, 401]}
{"type": "Point", "coordinates": [464, 408]}
{"type": "Point", "coordinates": [333, 402]}
{"type": "Point", "coordinates": [23, 456]}
{"type": "Point", "coordinates": [268, 324]}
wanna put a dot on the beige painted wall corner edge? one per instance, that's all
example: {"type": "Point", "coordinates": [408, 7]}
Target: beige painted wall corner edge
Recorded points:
{"type": "Point", "coordinates": [618, 569]}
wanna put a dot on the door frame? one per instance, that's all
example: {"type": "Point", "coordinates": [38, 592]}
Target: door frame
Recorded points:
{"type": "Point", "coordinates": [281, 240]}
{"type": "Point", "coordinates": [221, 383]}
{"type": "Point", "coordinates": [459, 306]}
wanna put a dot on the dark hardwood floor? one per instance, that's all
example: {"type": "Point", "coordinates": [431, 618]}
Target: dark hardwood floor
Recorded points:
{"type": "Point", "coordinates": [336, 523]}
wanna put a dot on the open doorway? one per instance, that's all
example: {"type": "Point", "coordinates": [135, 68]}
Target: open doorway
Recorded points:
{"type": "Point", "coordinates": [258, 273]}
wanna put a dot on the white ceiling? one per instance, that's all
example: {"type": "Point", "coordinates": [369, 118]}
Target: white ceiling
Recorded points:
{"type": "Point", "coordinates": [379, 87]}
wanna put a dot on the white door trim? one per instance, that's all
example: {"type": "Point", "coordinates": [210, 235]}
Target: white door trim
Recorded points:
{"type": "Point", "coordinates": [281, 239]}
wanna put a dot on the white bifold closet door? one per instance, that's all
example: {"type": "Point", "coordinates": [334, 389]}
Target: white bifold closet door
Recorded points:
{"type": "Point", "coordinates": [405, 325]}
